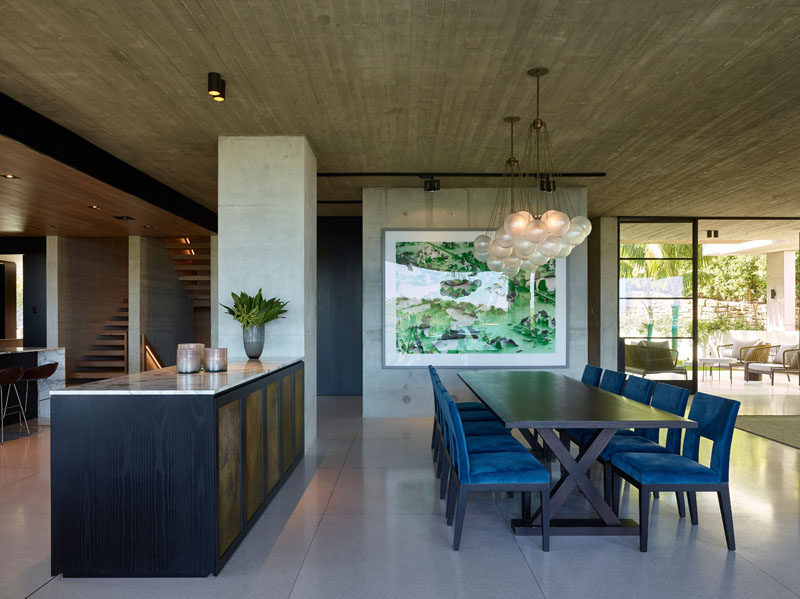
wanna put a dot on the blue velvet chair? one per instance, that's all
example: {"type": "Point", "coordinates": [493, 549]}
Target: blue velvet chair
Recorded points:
{"type": "Point", "coordinates": [613, 381]}
{"type": "Point", "coordinates": [481, 411]}
{"type": "Point", "coordinates": [665, 397]}
{"type": "Point", "coordinates": [638, 389]}
{"type": "Point", "coordinates": [591, 375]}
{"type": "Point", "coordinates": [472, 472]}
{"type": "Point", "coordinates": [649, 472]}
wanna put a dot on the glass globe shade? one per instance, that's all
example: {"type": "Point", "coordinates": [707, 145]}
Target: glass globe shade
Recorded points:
{"type": "Point", "coordinates": [557, 222]}
{"type": "Point", "coordinates": [536, 231]}
{"type": "Point", "coordinates": [565, 249]}
{"type": "Point", "coordinates": [503, 238]}
{"type": "Point", "coordinates": [538, 258]}
{"type": "Point", "coordinates": [482, 256]}
{"type": "Point", "coordinates": [528, 266]}
{"type": "Point", "coordinates": [481, 243]}
{"type": "Point", "coordinates": [574, 234]}
{"type": "Point", "coordinates": [515, 224]}
{"type": "Point", "coordinates": [528, 216]}
{"type": "Point", "coordinates": [584, 223]}
{"type": "Point", "coordinates": [550, 246]}
{"type": "Point", "coordinates": [523, 247]}
{"type": "Point", "coordinates": [494, 264]}
{"type": "Point", "coordinates": [498, 251]}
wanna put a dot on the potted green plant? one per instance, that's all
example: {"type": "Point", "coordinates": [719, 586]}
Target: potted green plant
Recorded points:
{"type": "Point", "coordinates": [253, 313]}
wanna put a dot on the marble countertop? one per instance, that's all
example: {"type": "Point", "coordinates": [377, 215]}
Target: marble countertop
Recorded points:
{"type": "Point", "coordinates": [24, 350]}
{"type": "Point", "coordinates": [166, 381]}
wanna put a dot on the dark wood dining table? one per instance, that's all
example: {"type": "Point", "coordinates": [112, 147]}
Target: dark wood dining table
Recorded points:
{"type": "Point", "coordinates": [546, 403]}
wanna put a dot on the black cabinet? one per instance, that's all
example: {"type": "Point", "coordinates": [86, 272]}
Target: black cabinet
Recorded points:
{"type": "Point", "coordinates": [168, 485]}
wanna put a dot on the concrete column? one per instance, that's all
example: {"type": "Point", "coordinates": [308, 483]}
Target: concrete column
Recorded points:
{"type": "Point", "coordinates": [268, 239]}
{"type": "Point", "coordinates": [603, 284]}
{"type": "Point", "coordinates": [214, 303]}
{"type": "Point", "coordinates": [51, 290]}
{"type": "Point", "coordinates": [134, 303]}
{"type": "Point", "coordinates": [781, 291]}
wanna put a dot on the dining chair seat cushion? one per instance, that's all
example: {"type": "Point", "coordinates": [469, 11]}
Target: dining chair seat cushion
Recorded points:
{"type": "Point", "coordinates": [493, 443]}
{"type": "Point", "coordinates": [623, 443]}
{"type": "Point", "coordinates": [664, 469]}
{"type": "Point", "coordinates": [505, 468]}
{"type": "Point", "coordinates": [477, 415]}
{"type": "Point", "coordinates": [484, 427]}
{"type": "Point", "coordinates": [466, 406]}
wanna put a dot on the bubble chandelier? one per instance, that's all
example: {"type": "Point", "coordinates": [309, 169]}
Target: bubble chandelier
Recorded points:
{"type": "Point", "coordinates": [531, 221]}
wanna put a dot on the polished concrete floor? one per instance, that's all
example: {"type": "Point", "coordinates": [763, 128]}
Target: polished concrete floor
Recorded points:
{"type": "Point", "coordinates": [360, 518]}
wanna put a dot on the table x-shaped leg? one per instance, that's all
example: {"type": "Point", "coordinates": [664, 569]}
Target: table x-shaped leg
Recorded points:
{"type": "Point", "coordinates": [577, 475]}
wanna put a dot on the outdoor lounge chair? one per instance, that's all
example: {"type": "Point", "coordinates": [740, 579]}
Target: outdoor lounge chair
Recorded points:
{"type": "Point", "coordinates": [788, 364]}
{"type": "Point", "coordinates": [745, 355]}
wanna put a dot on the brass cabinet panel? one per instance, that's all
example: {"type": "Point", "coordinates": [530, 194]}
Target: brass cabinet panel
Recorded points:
{"type": "Point", "coordinates": [286, 422]}
{"type": "Point", "coordinates": [299, 421]}
{"type": "Point", "coordinates": [273, 434]}
{"type": "Point", "coordinates": [229, 474]}
{"type": "Point", "coordinates": [254, 456]}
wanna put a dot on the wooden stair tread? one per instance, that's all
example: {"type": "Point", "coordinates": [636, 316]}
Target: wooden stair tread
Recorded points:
{"type": "Point", "coordinates": [188, 246]}
{"type": "Point", "coordinates": [194, 278]}
{"type": "Point", "coordinates": [116, 353]}
{"type": "Point", "coordinates": [192, 267]}
{"type": "Point", "coordinates": [102, 363]}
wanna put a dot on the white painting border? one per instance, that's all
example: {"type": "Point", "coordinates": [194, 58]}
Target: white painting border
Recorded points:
{"type": "Point", "coordinates": [392, 358]}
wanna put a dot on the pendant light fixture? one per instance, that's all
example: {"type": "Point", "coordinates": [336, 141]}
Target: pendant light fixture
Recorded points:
{"type": "Point", "coordinates": [216, 87]}
{"type": "Point", "coordinates": [530, 223]}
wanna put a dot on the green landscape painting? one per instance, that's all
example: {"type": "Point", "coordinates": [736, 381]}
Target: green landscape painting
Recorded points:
{"type": "Point", "coordinates": [448, 302]}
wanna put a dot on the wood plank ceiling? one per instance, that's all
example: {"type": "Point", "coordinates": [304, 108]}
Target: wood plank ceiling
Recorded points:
{"type": "Point", "coordinates": [692, 108]}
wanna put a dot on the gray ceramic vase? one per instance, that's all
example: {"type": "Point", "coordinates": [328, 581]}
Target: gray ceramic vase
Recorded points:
{"type": "Point", "coordinates": [253, 341]}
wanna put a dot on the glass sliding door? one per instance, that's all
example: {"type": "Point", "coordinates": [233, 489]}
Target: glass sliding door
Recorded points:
{"type": "Point", "coordinates": [657, 299]}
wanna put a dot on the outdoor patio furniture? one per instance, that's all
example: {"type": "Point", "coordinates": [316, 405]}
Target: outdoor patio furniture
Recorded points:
{"type": "Point", "coordinates": [711, 361]}
{"type": "Point", "coordinates": [652, 357]}
{"type": "Point", "coordinates": [746, 353]}
{"type": "Point", "coordinates": [788, 364]}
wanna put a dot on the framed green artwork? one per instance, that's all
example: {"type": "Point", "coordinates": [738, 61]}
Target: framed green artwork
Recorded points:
{"type": "Point", "coordinates": [443, 307]}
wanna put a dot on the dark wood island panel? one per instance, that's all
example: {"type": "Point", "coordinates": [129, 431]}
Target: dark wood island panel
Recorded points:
{"type": "Point", "coordinates": [148, 485]}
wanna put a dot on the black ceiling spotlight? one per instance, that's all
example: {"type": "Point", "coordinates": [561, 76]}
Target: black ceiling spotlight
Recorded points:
{"type": "Point", "coordinates": [124, 218]}
{"type": "Point", "coordinates": [216, 87]}
{"type": "Point", "coordinates": [432, 184]}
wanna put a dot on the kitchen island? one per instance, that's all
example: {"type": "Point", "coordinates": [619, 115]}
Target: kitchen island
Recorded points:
{"type": "Point", "coordinates": [163, 474]}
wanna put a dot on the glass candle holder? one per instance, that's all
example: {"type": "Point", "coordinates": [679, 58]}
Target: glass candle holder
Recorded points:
{"type": "Point", "coordinates": [189, 360]}
{"type": "Point", "coordinates": [199, 346]}
{"type": "Point", "coordinates": [215, 359]}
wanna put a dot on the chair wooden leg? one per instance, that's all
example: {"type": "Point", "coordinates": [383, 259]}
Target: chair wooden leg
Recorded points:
{"type": "Point", "coordinates": [692, 497]}
{"type": "Point", "coordinates": [644, 517]}
{"type": "Point", "coordinates": [452, 494]}
{"type": "Point", "coordinates": [435, 446]}
{"type": "Point", "coordinates": [433, 435]}
{"type": "Point", "coordinates": [616, 491]}
{"type": "Point", "coordinates": [525, 505]}
{"type": "Point", "coordinates": [544, 497]}
{"type": "Point", "coordinates": [461, 509]}
{"type": "Point", "coordinates": [445, 478]}
{"type": "Point", "coordinates": [440, 464]}
{"type": "Point", "coordinates": [510, 494]}
{"type": "Point", "coordinates": [681, 504]}
{"type": "Point", "coordinates": [724, 497]}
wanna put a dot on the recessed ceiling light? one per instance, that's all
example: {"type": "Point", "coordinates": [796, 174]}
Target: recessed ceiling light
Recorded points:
{"type": "Point", "coordinates": [124, 218]}
{"type": "Point", "coordinates": [94, 206]}
{"type": "Point", "coordinates": [147, 226]}
{"type": "Point", "coordinates": [10, 176]}
{"type": "Point", "coordinates": [55, 226]}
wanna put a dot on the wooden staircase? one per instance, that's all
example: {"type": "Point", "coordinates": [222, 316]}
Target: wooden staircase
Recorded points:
{"type": "Point", "coordinates": [108, 356]}
{"type": "Point", "coordinates": [191, 257]}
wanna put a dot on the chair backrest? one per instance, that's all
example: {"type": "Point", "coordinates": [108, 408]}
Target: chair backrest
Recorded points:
{"type": "Point", "coordinates": [716, 418]}
{"type": "Point", "coordinates": [639, 389]}
{"type": "Point", "coordinates": [434, 380]}
{"type": "Point", "coordinates": [591, 375]}
{"type": "Point", "coordinates": [10, 375]}
{"type": "Point", "coordinates": [671, 399]}
{"type": "Point", "coordinates": [613, 381]}
{"type": "Point", "coordinates": [454, 431]}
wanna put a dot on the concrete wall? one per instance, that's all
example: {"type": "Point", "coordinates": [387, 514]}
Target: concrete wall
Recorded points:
{"type": "Point", "coordinates": [92, 284]}
{"type": "Point", "coordinates": [603, 248]}
{"type": "Point", "coordinates": [781, 283]}
{"type": "Point", "coordinates": [267, 238]}
{"type": "Point", "coordinates": [164, 310]}
{"type": "Point", "coordinates": [407, 392]}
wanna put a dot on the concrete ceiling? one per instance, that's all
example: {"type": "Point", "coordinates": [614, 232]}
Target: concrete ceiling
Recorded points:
{"type": "Point", "coordinates": [691, 107]}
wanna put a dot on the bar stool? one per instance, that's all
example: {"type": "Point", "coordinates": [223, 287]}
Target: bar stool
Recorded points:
{"type": "Point", "coordinates": [34, 375]}
{"type": "Point", "coordinates": [8, 379]}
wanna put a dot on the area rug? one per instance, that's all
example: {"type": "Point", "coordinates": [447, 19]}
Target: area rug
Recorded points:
{"type": "Point", "coordinates": [783, 429]}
